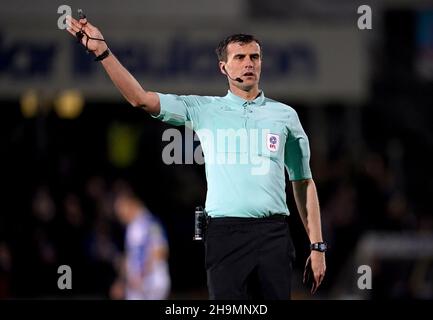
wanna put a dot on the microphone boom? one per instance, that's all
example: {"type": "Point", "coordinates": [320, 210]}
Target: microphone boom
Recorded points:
{"type": "Point", "coordinates": [236, 79]}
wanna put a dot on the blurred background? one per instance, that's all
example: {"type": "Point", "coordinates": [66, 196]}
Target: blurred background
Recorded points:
{"type": "Point", "coordinates": [67, 136]}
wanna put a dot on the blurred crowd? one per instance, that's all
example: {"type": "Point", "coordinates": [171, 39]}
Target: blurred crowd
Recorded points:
{"type": "Point", "coordinates": [76, 229]}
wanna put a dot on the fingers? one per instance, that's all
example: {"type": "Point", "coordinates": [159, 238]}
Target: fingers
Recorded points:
{"type": "Point", "coordinates": [318, 267]}
{"type": "Point", "coordinates": [73, 27]}
{"type": "Point", "coordinates": [314, 288]}
{"type": "Point", "coordinates": [78, 24]}
{"type": "Point", "coordinates": [307, 262]}
{"type": "Point", "coordinates": [304, 278]}
{"type": "Point", "coordinates": [307, 270]}
{"type": "Point", "coordinates": [318, 278]}
{"type": "Point", "coordinates": [316, 283]}
{"type": "Point", "coordinates": [83, 22]}
{"type": "Point", "coordinates": [72, 22]}
{"type": "Point", "coordinates": [71, 32]}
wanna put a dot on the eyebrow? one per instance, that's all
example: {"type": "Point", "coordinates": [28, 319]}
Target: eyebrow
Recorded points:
{"type": "Point", "coordinates": [241, 55]}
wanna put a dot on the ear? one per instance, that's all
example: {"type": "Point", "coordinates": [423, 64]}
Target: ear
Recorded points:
{"type": "Point", "coordinates": [222, 65]}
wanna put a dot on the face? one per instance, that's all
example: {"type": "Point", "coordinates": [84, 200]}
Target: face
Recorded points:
{"type": "Point", "coordinates": [243, 61]}
{"type": "Point", "coordinates": [122, 208]}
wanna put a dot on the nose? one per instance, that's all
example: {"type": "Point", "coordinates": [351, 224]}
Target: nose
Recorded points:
{"type": "Point", "coordinates": [249, 63]}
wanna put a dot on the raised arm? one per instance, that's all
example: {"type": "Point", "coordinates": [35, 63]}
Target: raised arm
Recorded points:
{"type": "Point", "coordinates": [122, 79]}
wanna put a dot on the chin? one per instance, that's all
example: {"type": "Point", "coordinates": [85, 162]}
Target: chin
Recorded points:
{"type": "Point", "coordinates": [244, 87]}
{"type": "Point", "coordinates": [247, 86]}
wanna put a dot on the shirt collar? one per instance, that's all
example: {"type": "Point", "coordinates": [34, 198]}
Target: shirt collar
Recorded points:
{"type": "Point", "coordinates": [238, 100]}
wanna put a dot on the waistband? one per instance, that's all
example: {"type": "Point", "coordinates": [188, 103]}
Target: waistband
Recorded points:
{"type": "Point", "coordinates": [223, 220]}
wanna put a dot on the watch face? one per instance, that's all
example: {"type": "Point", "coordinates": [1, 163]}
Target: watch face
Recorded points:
{"type": "Point", "coordinates": [322, 247]}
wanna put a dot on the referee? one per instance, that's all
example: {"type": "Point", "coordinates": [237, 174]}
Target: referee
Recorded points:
{"type": "Point", "coordinates": [249, 250]}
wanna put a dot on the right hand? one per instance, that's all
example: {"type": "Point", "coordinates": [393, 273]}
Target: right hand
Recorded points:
{"type": "Point", "coordinates": [117, 290]}
{"type": "Point", "coordinates": [75, 26]}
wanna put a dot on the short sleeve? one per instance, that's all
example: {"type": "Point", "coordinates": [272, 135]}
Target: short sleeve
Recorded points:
{"type": "Point", "coordinates": [178, 110]}
{"type": "Point", "coordinates": [158, 236]}
{"type": "Point", "coordinates": [297, 151]}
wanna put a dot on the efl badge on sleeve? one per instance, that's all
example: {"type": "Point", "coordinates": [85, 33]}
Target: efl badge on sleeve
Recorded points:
{"type": "Point", "coordinates": [272, 142]}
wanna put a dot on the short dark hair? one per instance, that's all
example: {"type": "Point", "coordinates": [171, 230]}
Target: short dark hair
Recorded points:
{"type": "Point", "coordinates": [123, 189]}
{"type": "Point", "coordinates": [221, 50]}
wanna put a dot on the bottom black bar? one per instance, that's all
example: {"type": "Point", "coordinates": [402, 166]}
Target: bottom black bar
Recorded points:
{"type": "Point", "coordinates": [172, 309]}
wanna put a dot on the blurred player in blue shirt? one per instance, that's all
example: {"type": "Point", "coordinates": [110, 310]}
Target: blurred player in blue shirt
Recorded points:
{"type": "Point", "coordinates": [144, 274]}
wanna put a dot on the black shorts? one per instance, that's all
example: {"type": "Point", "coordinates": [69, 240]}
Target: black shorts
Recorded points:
{"type": "Point", "coordinates": [249, 258]}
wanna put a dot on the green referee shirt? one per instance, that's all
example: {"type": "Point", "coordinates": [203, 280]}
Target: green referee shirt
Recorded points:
{"type": "Point", "coordinates": [246, 145]}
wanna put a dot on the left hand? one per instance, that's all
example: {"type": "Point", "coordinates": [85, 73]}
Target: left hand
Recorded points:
{"type": "Point", "coordinates": [318, 267]}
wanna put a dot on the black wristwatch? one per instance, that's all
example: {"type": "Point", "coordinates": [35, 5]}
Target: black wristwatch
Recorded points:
{"type": "Point", "coordinates": [103, 55]}
{"type": "Point", "coordinates": [319, 246]}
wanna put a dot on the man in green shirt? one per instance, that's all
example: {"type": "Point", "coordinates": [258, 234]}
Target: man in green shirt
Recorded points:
{"type": "Point", "coordinates": [247, 140]}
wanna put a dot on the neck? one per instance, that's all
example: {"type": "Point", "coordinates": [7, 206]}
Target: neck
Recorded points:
{"type": "Point", "coordinates": [134, 213]}
{"type": "Point", "coordinates": [245, 94]}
